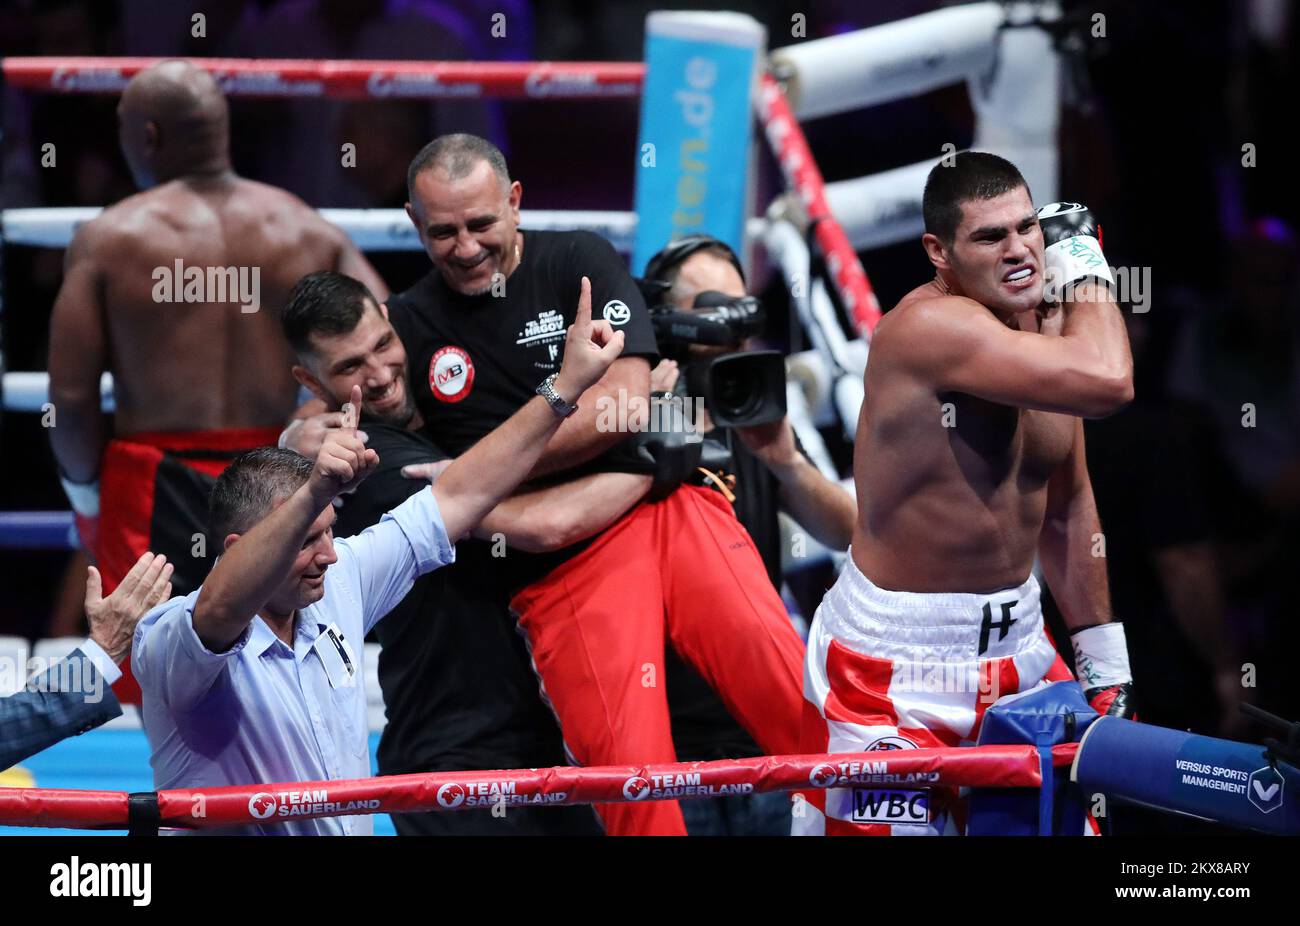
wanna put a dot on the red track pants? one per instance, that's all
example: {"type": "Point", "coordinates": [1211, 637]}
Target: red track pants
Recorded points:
{"type": "Point", "coordinates": [596, 628]}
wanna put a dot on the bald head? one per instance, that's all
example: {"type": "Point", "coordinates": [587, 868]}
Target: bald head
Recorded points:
{"type": "Point", "coordinates": [173, 122]}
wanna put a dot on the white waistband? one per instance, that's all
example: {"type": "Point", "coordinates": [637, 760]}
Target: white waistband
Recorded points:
{"type": "Point", "coordinates": [955, 625]}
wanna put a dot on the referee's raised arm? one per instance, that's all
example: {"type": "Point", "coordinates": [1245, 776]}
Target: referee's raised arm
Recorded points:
{"type": "Point", "coordinates": [257, 562]}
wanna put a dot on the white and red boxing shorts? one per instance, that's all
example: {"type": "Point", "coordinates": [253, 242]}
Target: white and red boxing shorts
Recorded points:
{"type": "Point", "coordinates": [900, 670]}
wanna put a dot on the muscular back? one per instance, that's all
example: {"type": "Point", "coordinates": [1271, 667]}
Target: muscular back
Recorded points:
{"type": "Point", "coordinates": [952, 488]}
{"type": "Point", "coordinates": [190, 365]}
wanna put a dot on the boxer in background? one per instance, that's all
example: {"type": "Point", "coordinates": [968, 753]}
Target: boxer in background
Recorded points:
{"type": "Point", "coordinates": [176, 291]}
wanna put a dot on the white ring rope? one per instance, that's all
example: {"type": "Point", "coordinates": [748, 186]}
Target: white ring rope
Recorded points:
{"type": "Point", "coordinates": [369, 229]}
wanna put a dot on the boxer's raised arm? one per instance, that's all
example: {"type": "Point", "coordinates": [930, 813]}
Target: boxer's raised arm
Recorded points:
{"type": "Point", "coordinates": [957, 345]}
{"type": "Point", "coordinates": [77, 358]}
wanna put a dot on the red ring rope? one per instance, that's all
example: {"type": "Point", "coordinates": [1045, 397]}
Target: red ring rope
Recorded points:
{"type": "Point", "coordinates": [287, 77]}
{"type": "Point", "coordinates": [976, 766]}
{"type": "Point", "coordinates": [803, 176]}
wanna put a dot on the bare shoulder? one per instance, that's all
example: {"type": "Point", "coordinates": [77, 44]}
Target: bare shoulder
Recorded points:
{"type": "Point", "coordinates": [278, 205]}
{"type": "Point", "coordinates": [121, 225]}
{"type": "Point", "coordinates": [925, 320]}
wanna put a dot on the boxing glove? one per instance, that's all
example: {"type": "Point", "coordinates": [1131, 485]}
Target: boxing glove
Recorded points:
{"type": "Point", "coordinates": [1101, 659]}
{"type": "Point", "coordinates": [1072, 251]}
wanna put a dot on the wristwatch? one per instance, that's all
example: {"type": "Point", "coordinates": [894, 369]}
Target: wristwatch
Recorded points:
{"type": "Point", "coordinates": [547, 391]}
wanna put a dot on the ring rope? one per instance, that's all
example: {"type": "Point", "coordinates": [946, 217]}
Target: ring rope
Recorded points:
{"type": "Point", "coordinates": [972, 766]}
{"type": "Point", "coordinates": [803, 176]}
{"type": "Point", "coordinates": [369, 229]}
{"type": "Point", "coordinates": [334, 79]}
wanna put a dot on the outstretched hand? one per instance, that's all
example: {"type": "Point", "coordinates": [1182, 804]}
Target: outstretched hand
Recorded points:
{"type": "Point", "coordinates": [344, 461]}
{"type": "Point", "coordinates": [589, 349]}
{"type": "Point", "coordinates": [113, 619]}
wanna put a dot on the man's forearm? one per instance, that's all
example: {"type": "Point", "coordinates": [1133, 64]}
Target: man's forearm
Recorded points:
{"type": "Point", "coordinates": [78, 437]}
{"type": "Point", "coordinates": [1075, 575]}
{"type": "Point", "coordinates": [823, 508]}
{"type": "Point", "coordinates": [480, 478]}
{"type": "Point", "coordinates": [578, 441]}
{"type": "Point", "coordinates": [581, 438]}
{"type": "Point", "coordinates": [249, 572]}
{"type": "Point", "coordinates": [1095, 323]}
{"type": "Point", "coordinates": [555, 517]}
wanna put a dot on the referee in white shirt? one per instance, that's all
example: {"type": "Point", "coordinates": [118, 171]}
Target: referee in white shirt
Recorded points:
{"type": "Point", "coordinates": [255, 677]}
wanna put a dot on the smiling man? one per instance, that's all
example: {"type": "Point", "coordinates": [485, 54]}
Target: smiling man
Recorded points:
{"type": "Point", "coordinates": [479, 328]}
{"type": "Point", "coordinates": [969, 462]}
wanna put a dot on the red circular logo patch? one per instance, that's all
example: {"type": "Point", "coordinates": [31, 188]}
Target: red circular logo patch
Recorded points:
{"type": "Point", "coordinates": [451, 374]}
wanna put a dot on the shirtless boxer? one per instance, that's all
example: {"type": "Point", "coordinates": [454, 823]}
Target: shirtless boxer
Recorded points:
{"type": "Point", "coordinates": [195, 381]}
{"type": "Point", "coordinates": [969, 461]}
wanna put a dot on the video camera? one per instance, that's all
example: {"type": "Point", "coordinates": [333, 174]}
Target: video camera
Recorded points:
{"type": "Point", "coordinates": [739, 389]}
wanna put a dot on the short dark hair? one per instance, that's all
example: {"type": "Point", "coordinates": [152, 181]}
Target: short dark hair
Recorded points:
{"type": "Point", "coordinates": [666, 264]}
{"type": "Point", "coordinates": [971, 175]}
{"type": "Point", "coordinates": [457, 154]}
{"type": "Point", "coordinates": [324, 302]}
{"type": "Point", "coordinates": [250, 485]}
{"type": "Point", "coordinates": [665, 267]}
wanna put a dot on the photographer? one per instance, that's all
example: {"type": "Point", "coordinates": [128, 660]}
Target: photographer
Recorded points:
{"type": "Point", "coordinates": [700, 274]}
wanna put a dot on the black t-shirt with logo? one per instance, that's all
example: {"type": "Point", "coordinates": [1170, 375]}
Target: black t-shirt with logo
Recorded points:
{"type": "Point", "coordinates": [476, 360]}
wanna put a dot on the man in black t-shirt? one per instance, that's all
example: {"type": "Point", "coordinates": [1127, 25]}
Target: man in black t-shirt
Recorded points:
{"type": "Point", "coordinates": [457, 685]}
{"type": "Point", "coordinates": [479, 330]}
